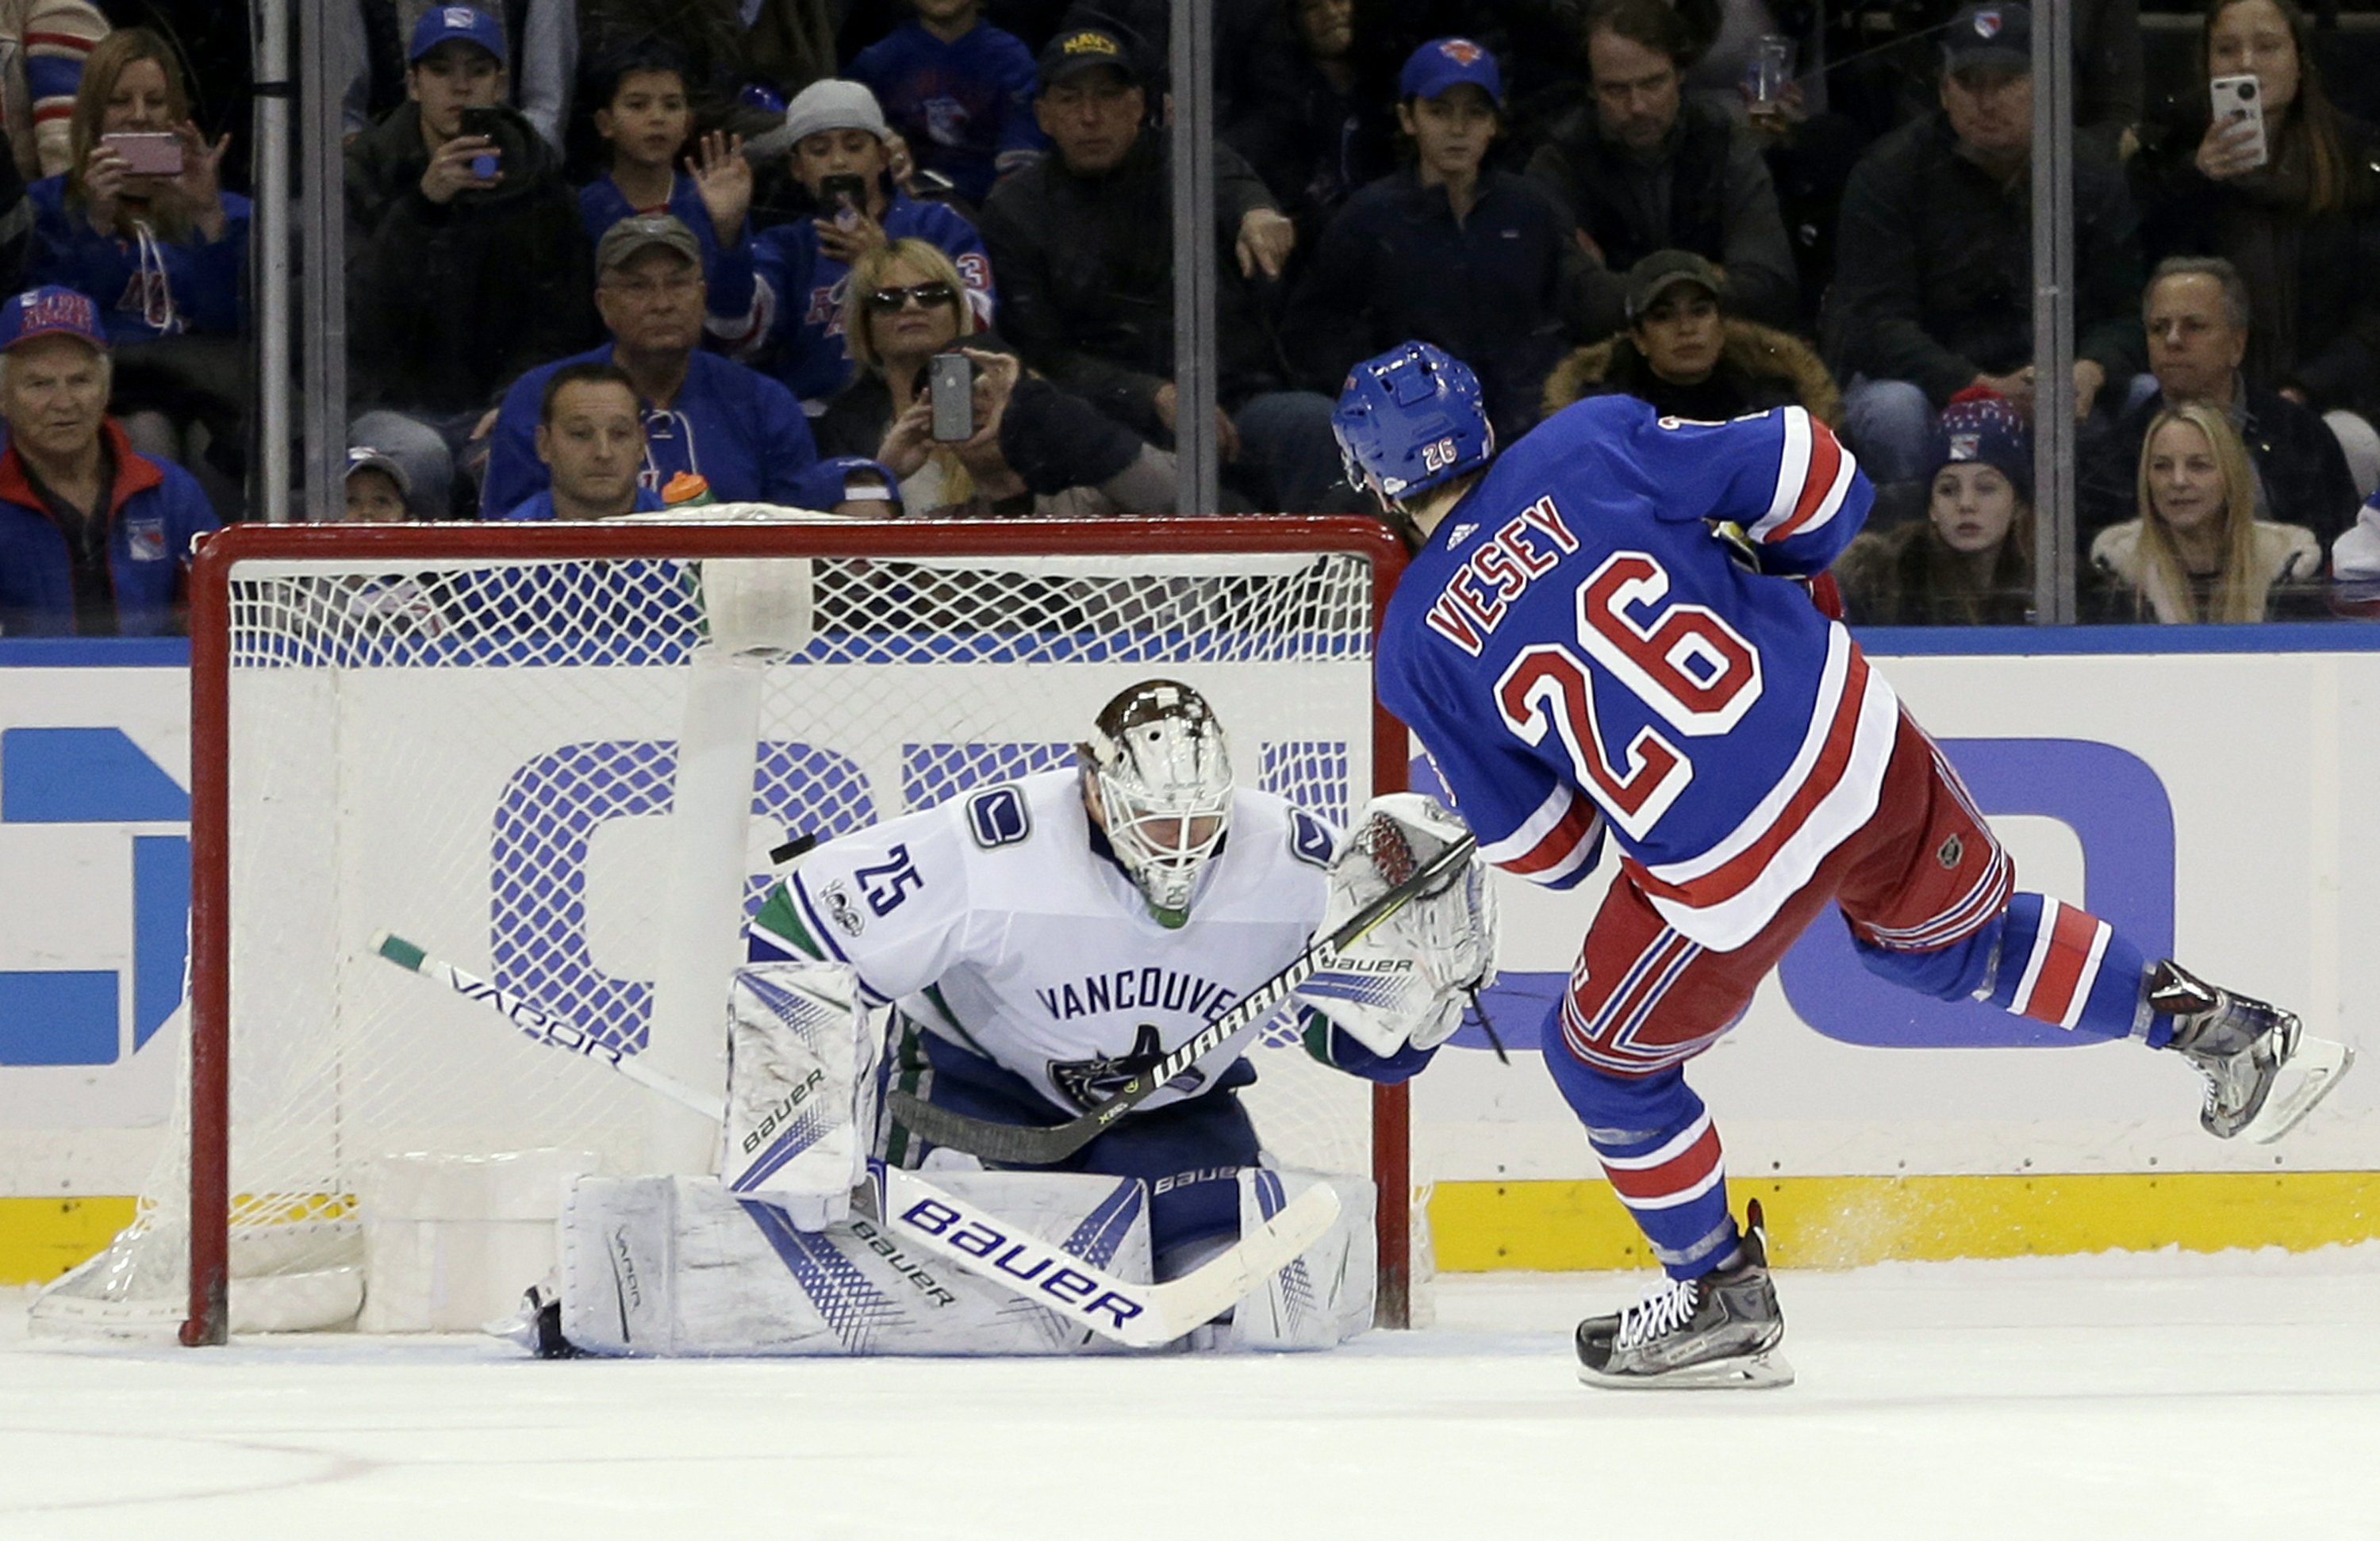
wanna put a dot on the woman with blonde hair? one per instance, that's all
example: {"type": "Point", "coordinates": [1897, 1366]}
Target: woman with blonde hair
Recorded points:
{"type": "Point", "coordinates": [2198, 551]}
{"type": "Point", "coordinates": [1034, 448]}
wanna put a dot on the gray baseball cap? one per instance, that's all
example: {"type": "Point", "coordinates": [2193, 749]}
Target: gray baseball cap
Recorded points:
{"type": "Point", "coordinates": [641, 232]}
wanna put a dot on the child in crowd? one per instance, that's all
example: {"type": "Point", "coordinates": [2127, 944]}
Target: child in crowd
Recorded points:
{"type": "Point", "coordinates": [776, 300]}
{"type": "Point", "coordinates": [646, 119]}
{"type": "Point", "coordinates": [2198, 551]}
{"type": "Point", "coordinates": [960, 91]}
{"type": "Point", "coordinates": [377, 488]}
{"type": "Point", "coordinates": [1969, 562]}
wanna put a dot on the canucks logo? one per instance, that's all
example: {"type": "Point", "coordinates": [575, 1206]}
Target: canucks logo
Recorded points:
{"type": "Point", "coordinates": [1088, 1083]}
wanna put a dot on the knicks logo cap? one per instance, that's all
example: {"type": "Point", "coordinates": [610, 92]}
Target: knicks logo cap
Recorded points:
{"type": "Point", "coordinates": [1442, 64]}
{"type": "Point", "coordinates": [52, 310]}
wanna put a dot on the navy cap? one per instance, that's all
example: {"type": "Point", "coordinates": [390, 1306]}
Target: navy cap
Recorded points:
{"type": "Point", "coordinates": [1990, 34]}
{"type": "Point", "coordinates": [52, 310]}
{"type": "Point", "coordinates": [1073, 51]}
{"type": "Point", "coordinates": [829, 482]}
{"type": "Point", "coordinates": [1442, 64]}
{"type": "Point", "coordinates": [456, 24]}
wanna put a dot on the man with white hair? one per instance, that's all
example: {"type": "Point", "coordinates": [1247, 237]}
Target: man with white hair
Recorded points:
{"type": "Point", "coordinates": [94, 538]}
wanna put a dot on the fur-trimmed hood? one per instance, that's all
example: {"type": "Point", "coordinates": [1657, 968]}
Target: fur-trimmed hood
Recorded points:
{"type": "Point", "coordinates": [1762, 352]}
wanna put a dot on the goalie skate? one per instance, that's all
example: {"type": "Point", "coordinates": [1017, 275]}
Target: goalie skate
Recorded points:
{"type": "Point", "coordinates": [1717, 1332]}
{"type": "Point", "coordinates": [2264, 1070]}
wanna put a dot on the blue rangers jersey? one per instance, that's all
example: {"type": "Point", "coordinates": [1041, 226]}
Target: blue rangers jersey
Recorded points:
{"type": "Point", "coordinates": [965, 106]}
{"type": "Point", "coordinates": [1580, 655]}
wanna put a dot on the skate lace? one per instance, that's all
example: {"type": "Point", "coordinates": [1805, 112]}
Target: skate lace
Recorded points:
{"type": "Point", "coordinates": [1659, 1313]}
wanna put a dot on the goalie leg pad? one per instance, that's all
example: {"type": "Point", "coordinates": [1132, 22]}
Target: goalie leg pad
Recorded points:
{"type": "Point", "coordinates": [1326, 1296]}
{"type": "Point", "coordinates": [678, 1267]}
{"type": "Point", "coordinates": [802, 1089]}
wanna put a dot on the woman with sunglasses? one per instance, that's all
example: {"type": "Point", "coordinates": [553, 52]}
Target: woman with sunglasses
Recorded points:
{"type": "Point", "coordinates": [1035, 448]}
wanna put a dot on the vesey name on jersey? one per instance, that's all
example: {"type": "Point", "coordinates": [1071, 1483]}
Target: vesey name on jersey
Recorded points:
{"type": "Point", "coordinates": [1137, 989]}
{"type": "Point", "coordinates": [1477, 597]}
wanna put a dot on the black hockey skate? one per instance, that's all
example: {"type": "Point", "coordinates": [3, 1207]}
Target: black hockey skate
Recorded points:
{"type": "Point", "coordinates": [1716, 1331]}
{"type": "Point", "coordinates": [2264, 1070]}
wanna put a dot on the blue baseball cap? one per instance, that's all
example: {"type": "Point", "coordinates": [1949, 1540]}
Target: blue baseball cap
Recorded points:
{"type": "Point", "coordinates": [456, 24]}
{"type": "Point", "coordinates": [829, 482]}
{"type": "Point", "coordinates": [1442, 64]}
{"type": "Point", "coordinates": [52, 310]}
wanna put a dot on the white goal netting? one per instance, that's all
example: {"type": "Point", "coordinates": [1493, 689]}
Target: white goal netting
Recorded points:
{"type": "Point", "coordinates": [476, 739]}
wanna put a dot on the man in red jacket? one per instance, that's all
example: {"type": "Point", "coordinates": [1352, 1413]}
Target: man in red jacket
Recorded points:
{"type": "Point", "coordinates": [94, 539]}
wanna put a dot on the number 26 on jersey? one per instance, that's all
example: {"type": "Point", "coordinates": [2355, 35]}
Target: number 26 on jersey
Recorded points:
{"type": "Point", "coordinates": [1697, 674]}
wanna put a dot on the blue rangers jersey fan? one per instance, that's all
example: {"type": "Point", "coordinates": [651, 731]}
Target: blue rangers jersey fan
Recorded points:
{"type": "Point", "coordinates": [1574, 648]}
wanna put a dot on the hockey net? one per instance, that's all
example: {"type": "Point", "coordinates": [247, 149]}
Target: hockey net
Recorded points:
{"type": "Point", "coordinates": [475, 737]}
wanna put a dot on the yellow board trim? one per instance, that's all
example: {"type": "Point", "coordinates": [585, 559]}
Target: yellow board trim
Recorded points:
{"type": "Point", "coordinates": [1814, 1221]}
{"type": "Point", "coordinates": [1839, 1222]}
{"type": "Point", "coordinates": [41, 1238]}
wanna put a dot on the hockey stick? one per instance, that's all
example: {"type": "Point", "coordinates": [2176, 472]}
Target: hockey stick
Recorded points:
{"type": "Point", "coordinates": [1041, 1145]}
{"type": "Point", "coordinates": [1141, 1315]}
{"type": "Point", "coordinates": [543, 1026]}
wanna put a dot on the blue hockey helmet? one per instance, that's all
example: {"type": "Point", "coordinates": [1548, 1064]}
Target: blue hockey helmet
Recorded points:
{"type": "Point", "coordinates": [1410, 420]}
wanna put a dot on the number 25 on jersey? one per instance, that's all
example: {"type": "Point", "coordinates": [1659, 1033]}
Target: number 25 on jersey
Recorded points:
{"type": "Point", "coordinates": [1697, 674]}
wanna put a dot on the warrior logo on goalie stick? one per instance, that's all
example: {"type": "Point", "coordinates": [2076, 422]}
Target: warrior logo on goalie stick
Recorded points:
{"type": "Point", "coordinates": [1091, 1082]}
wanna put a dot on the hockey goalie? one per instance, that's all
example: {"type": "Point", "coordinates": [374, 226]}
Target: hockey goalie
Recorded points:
{"type": "Point", "coordinates": [1015, 958]}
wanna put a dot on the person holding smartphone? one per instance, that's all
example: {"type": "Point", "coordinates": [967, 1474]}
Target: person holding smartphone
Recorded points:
{"type": "Point", "coordinates": [467, 259]}
{"type": "Point", "coordinates": [777, 298]}
{"type": "Point", "coordinates": [141, 222]}
{"type": "Point", "coordinates": [2279, 181]}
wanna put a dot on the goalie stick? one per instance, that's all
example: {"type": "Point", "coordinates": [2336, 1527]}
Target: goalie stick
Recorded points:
{"type": "Point", "coordinates": [1139, 1315]}
{"type": "Point", "coordinates": [1043, 1144]}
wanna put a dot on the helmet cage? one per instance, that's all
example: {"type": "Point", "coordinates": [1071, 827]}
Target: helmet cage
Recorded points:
{"type": "Point", "coordinates": [1162, 772]}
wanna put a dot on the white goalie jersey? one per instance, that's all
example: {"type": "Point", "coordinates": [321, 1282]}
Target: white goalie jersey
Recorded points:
{"type": "Point", "coordinates": [994, 920]}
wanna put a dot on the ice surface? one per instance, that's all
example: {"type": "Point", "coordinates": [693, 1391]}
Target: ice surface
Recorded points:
{"type": "Point", "coordinates": [2162, 1395]}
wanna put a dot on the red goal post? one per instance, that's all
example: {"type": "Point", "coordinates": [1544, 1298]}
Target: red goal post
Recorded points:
{"type": "Point", "coordinates": [407, 644]}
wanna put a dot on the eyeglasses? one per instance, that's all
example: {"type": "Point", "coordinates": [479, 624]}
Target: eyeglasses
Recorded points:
{"type": "Point", "coordinates": [884, 302]}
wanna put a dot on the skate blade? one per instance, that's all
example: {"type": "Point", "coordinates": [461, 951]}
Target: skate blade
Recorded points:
{"type": "Point", "coordinates": [1752, 1372]}
{"type": "Point", "coordinates": [2310, 1073]}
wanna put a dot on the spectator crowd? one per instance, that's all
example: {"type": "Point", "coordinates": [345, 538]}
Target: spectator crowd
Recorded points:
{"type": "Point", "coordinates": [604, 255]}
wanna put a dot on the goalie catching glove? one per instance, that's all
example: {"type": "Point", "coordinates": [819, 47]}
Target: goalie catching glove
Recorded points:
{"type": "Point", "coordinates": [1404, 984]}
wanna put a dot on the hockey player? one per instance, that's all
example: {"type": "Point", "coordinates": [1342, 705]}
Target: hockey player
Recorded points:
{"type": "Point", "coordinates": [1043, 940]}
{"type": "Point", "coordinates": [1608, 630]}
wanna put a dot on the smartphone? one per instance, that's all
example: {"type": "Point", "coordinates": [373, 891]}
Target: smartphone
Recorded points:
{"type": "Point", "coordinates": [483, 123]}
{"type": "Point", "coordinates": [147, 155]}
{"type": "Point", "coordinates": [2238, 100]}
{"type": "Point", "coordinates": [844, 194]}
{"type": "Point", "coordinates": [950, 386]}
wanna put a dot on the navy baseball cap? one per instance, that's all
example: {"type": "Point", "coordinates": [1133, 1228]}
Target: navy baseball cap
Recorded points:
{"type": "Point", "coordinates": [52, 310]}
{"type": "Point", "coordinates": [1442, 64]}
{"type": "Point", "coordinates": [829, 482]}
{"type": "Point", "coordinates": [1079, 50]}
{"type": "Point", "coordinates": [456, 24]}
{"type": "Point", "coordinates": [1998, 34]}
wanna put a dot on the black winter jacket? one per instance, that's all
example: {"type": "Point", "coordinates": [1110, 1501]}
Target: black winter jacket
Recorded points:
{"type": "Point", "coordinates": [447, 304]}
{"type": "Point", "coordinates": [1934, 267]}
{"type": "Point", "coordinates": [1086, 268]}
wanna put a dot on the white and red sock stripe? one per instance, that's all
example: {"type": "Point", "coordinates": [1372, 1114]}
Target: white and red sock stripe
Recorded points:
{"type": "Point", "coordinates": [1679, 1171]}
{"type": "Point", "coordinates": [2062, 966]}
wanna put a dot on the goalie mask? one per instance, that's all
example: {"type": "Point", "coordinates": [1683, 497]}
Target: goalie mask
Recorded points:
{"type": "Point", "coordinates": [1162, 775]}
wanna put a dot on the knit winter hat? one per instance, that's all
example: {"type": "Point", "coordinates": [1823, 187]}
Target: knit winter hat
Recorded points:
{"type": "Point", "coordinates": [1986, 427]}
